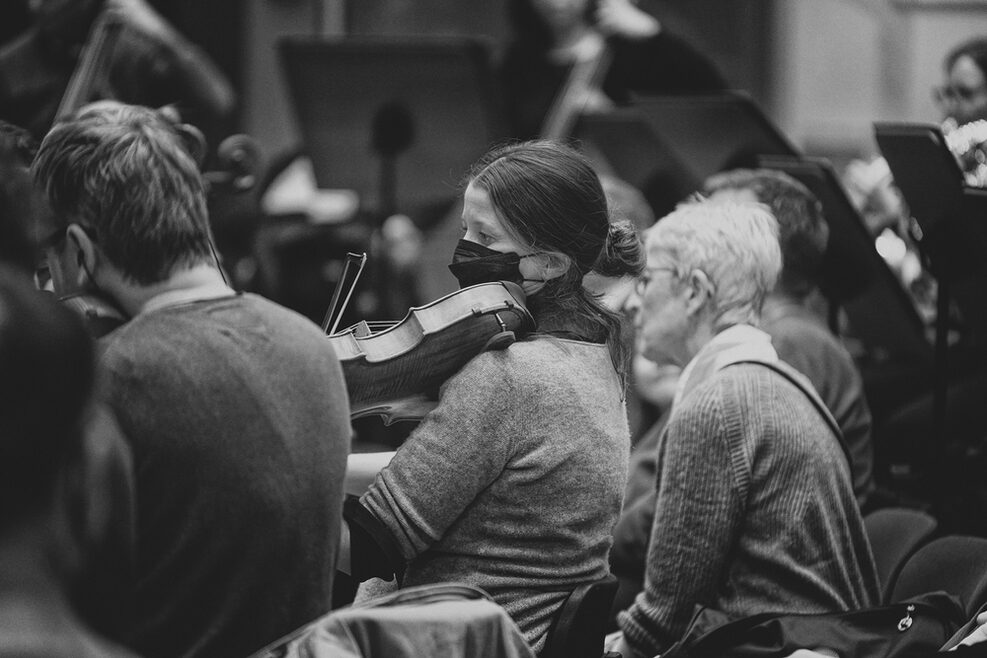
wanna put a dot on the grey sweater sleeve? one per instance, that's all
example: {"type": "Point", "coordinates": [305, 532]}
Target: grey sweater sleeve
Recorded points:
{"type": "Point", "coordinates": [700, 502]}
{"type": "Point", "coordinates": [457, 451]}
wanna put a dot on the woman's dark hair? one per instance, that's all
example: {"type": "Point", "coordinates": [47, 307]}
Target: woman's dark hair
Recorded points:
{"type": "Point", "coordinates": [975, 49]}
{"type": "Point", "coordinates": [623, 254]}
{"type": "Point", "coordinates": [548, 195]}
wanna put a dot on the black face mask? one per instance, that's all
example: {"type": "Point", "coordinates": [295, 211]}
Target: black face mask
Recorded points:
{"type": "Point", "coordinates": [472, 263]}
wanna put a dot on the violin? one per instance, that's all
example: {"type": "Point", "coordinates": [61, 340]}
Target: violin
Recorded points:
{"type": "Point", "coordinates": [396, 371]}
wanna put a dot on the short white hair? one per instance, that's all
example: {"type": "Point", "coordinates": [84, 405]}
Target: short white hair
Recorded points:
{"type": "Point", "coordinates": [735, 244]}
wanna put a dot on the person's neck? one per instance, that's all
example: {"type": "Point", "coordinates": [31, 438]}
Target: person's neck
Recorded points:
{"type": "Point", "coordinates": [194, 284]}
{"type": "Point", "coordinates": [697, 339]}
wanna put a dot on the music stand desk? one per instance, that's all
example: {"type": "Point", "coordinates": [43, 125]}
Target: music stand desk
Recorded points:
{"type": "Point", "coordinates": [713, 132]}
{"type": "Point", "coordinates": [424, 103]}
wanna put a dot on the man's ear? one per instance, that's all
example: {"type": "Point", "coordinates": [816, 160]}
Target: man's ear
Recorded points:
{"type": "Point", "coordinates": [83, 250]}
{"type": "Point", "coordinates": [699, 293]}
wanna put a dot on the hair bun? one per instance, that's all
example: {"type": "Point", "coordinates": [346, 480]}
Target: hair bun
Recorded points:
{"type": "Point", "coordinates": [623, 253]}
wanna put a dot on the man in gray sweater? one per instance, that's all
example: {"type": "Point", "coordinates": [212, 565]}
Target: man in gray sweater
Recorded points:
{"type": "Point", "coordinates": [755, 508]}
{"type": "Point", "coordinates": [234, 408]}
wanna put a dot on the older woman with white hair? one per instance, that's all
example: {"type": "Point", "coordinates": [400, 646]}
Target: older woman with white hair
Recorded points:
{"type": "Point", "coordinates": [755, 510]}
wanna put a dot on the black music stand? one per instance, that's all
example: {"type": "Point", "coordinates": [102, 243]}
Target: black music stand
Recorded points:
{"type": "Point", "coordinates": [714, 132]}
{"type": "Point", "coordinates": [622, 143]}
{"type": "Point", "coordinates": [668, 145]}
{"type": "Point", "coordinates": [952, 236]}
{"type": "Point", "coordinates": [399, 120]}
{"type": "Point", "coordinates": [854, 276]}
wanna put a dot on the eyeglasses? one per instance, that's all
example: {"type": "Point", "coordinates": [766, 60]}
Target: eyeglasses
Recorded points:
{"type": "Point", "coordinates": [641, 285]}
{"type": "Point", "coordinates": [956, 93]}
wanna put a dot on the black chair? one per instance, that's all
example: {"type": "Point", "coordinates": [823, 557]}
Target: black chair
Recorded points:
{"type": "Point", "coordinates": [895, 533]}
{"type": "Point", "coordinates": [580, 627]}
{"type": "Point", "coordinates": [956, 564]}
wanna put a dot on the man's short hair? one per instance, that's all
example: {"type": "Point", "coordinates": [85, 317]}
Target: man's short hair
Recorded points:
{"type": "Point", "coordinates": [126, 174]}
{"type": "Point", "coordinates": [46, 376]}
{"type": "Point", "coordinates": [803, 231]}
{"type": "Point", "coordinates": [735, 244]}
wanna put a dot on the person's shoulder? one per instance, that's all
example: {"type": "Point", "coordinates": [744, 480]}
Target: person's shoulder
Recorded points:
{"type": "Point", "coordinates": [751, 385]}
{"type": "Point", "coordinates": [535, 359]}
{"type": "Point", "coordinates": [799, 326]}
{"type": "Point", "coordinates": [805, 342]}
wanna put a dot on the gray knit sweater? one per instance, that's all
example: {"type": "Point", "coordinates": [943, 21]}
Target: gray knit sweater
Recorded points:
{"type": "Point", "coordinates": [514, 482]}
{"type": "Point", "coordinates": [755, 511]}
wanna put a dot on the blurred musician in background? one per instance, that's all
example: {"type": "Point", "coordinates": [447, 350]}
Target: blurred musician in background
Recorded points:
{"type": "Point", "coordinates": [906, 426]}
{"type": "Point", "coordinates": [569, 56]}
{"type": "Point", "coordinates": [963, 99]}
{"type": "Point", "coordinates": [234, 408]}
{"type": "Point", "coordinates": [145, 62]}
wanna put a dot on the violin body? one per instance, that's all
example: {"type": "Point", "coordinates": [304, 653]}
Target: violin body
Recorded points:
{"type": "Point", "coordinates": [396, 373]}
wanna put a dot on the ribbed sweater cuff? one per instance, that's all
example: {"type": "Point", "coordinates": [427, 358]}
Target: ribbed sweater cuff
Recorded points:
{"type": "Point", "coordinates": [635, 632]}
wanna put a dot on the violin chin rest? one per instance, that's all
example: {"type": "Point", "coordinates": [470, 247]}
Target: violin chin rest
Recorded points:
{"type": "Point", "coordinates": [500, 341]}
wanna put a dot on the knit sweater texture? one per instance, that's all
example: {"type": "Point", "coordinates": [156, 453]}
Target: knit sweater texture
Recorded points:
{"type": "Point", "coordinates": [236, 413]}
{"type": "Point", "coordinates": [805, 343]}
{"type": "Point", "coordinates": [755, 511]}
{"type": "Point", "coordinates": [514, 482]}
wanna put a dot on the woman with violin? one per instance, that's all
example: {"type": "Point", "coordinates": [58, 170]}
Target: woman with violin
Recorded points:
{"type": "Point", "coordinates": [570, 56]}
{"type": "Point", "coordinates": [513, 481]}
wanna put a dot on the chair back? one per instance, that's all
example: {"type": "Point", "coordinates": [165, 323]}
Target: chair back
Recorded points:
{"type": "Point", "coordinates": [895, 533]}
{"type": "Point", "coordinates": [581, 624]}
{"type": "Point", "coordinates": [956, 564]}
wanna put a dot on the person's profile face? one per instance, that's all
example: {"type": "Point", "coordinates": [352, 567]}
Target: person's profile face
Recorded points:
{"type": "Point", "coordinates": [661, 319]}
{"type": "Point", "coordinates": [964, 95]}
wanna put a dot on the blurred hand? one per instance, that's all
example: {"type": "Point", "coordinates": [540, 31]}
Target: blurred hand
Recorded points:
{"type": "Point", "coordinates": [140, 15]}
{"type": "Point", "coordinates": [621, 18]}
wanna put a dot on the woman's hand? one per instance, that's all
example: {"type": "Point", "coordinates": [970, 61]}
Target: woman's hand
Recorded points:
{"type": "Point", "coordinates": [623, 19]}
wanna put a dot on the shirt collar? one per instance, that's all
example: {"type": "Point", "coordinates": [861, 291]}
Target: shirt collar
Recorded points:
{"type": "Point", "coordinates": [741, 342]}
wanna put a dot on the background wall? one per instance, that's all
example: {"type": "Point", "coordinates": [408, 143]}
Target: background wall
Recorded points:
{"type": "Point", "coordinates": [840, 65]}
